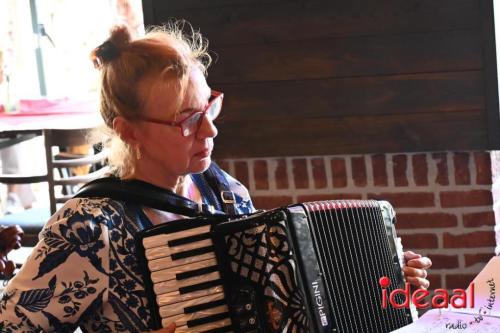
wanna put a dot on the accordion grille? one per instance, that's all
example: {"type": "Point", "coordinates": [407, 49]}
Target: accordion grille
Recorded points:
{"type": "Point", "coordinates": [353, 253]}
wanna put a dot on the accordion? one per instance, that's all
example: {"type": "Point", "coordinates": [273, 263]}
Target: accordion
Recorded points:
{"type": "Point", "coordinates": [311, 267]}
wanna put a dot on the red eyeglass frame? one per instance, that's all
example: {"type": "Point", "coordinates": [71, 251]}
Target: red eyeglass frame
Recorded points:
{"type": "Point", "coordinates": [216, 95]}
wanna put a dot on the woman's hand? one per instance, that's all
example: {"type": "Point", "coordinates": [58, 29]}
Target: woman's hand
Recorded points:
{"type": "Point", "coordinates": [169, 329]}
{"type": "Point", "coordinates": [415, 269]}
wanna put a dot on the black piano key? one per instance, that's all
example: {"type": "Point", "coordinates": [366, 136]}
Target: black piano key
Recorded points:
{"type": "Point", "coordinates": [207, 319]}
{"type": "Point", "coordinates": [192, 253]}
{"type": "Point", "coordinates": [189, 239]}
{"type": "Point", "coordinates": [204, 306]}
{"type": "Point", "coordinates": [196, 272]}
{"type": "Point", "coordinates": [200, 286]}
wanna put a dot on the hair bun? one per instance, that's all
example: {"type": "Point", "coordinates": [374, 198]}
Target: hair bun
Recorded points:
{"type": "Point", "coordinates": [111, 49]}
{"type": "Point", "coordinates": [120, 36]}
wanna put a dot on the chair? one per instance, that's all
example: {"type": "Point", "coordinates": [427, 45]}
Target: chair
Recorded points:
{"type": "Point", "coordinates": [62, 182]}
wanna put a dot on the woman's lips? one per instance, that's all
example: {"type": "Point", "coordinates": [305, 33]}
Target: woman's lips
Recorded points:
{"type": "Point", "coordinates": [204, 153]}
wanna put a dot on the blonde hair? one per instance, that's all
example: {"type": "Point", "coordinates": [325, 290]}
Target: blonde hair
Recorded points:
{"type": "Point", "coordinates": [165, 52]}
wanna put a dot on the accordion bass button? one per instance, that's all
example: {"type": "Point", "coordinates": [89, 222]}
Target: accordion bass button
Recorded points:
{"type": "Point", "coordinates": [247, 324]}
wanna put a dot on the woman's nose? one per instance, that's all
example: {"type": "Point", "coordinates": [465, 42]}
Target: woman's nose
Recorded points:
{"type": "Point", "coordinates": [207, 128]}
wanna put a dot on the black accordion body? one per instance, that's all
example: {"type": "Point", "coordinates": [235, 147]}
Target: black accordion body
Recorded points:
{"type": "Point", "coordinates": [312, 267]}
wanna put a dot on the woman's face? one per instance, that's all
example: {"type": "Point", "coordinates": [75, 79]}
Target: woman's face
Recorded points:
{"type": "Point", "coordinates": [165, 151]}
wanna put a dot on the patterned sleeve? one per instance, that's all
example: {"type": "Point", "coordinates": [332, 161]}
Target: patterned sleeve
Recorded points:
{"type": "Point", "coordinates": [64, 278]}
{"type": "Point", "coordinates": [243, 201]}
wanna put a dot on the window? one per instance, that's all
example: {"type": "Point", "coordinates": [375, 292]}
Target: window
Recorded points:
{"type": "Point", "coordinates": [46, 44]}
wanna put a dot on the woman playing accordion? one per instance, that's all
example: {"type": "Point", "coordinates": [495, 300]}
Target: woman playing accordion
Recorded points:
{"type": "Point", "coordinates": [159, 115]}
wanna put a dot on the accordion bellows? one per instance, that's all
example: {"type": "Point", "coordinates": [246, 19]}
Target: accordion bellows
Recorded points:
{"type": "Point", "coordinates": [311, 267]}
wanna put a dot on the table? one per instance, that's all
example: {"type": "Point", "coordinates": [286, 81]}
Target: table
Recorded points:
{"type": "Point", "coordinates": [36, 115]}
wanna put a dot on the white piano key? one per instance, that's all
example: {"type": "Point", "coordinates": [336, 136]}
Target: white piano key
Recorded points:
{"type": "Point", "coordinates": [205, 327]}
{"type": "Point", "coordinates": [167, 262]}
{"type": "Point", "coordinates": [174, 285]}
{"type": "Point", "coordinates": [164, 251]}
{"type": "Point", "coordinates": [170, 273]}
{"type": "Point", "coordinates": [182, 319]}
{"type": "Point", "coordinates": [176, 297]}
{"type": "Point", "coordinates": [163, 239]}
{"type": "Point", "coordinates": [169, 310]}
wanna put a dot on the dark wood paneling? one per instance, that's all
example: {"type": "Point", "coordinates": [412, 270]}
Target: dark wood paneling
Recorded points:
{"type": "Point", "coordinates": [490, 73]}
{"type": "Point", "coordinates": [298, 20]}
{"type": "Point", "coordinates": [290, 137]}
{"type": "Point", "coordinates": [333, 77]}
{"type": "Point", "coordinates": [382, 95]}
{"type": "Point", "coordinates": [344, 57]}
{"type": "Point", "coordinates": [168, 6]}
{"type": "Point", "coordinates": [148, 12]}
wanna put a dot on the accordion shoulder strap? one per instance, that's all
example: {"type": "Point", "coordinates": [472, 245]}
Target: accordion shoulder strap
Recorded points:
{"type": "Point", "coordinates": [136, 191]}
{"type": "Point", "coordinates": [219, 183]}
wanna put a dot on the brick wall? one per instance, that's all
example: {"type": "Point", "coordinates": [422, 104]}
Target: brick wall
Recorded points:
{"type": "Point", "coordinates": [444, 200]}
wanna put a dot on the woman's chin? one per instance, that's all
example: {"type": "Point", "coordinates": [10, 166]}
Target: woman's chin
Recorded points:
{"type": "Point", "coordinates": [200, 165]}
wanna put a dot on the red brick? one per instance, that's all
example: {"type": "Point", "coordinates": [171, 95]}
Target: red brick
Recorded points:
{"type": "Point", "coordinates": [435, 280]}
{"type": "Point", "coordinates": [472, 259]}
{"type": "Point", "coordinates": [281, 174]}
{"type": "Point", "coordinates": [441, 261]}
{"type": "Point", "coordinates": [483, 168]}
{"type": "Point", "coordinates": [479, 219]}
{"type": "Point", "coordinates": [458, 281]}
{"type": "Point", "coordinates": [398, 200]}
{"type": "Point", "coordinates": [471, 239]}
{"type": "Point", "coordinates": [420, 169]}
{"type": "Point", "coordinates": [379, 166]}
{"type": "Point", "coordinates": [300, 175]}
{"type": "Point", "coordinates": [358, 167]}
{"type": "Point", "coordinates": [462, 172]}
{"type": "Point", "coordinates": [400, 167]}
{"type": "Point", "coordinates": [224, 165]}
{"type": "Point", "coordinates": [442, 168]}
{"type": "Point", "coordinates": [269, 202]}
{"type": "Point", "coordinates": [261, 177]}
{"type": "Point", "coordinates": [339, 173]}
{"type": "Point", "coordinates": [319, 172]}
{"type": "Point", "coordinates": [466, 198]}
{"type": "Point", "coordinates": [320, 197]}
{"type": "Point", "coordinates": [420, 241]}
{"type": "Point", "coordinates": [425, 220]}
{"type": "Point", "coordinates": [241, 172]}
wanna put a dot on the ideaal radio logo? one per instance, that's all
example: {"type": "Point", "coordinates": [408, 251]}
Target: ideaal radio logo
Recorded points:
{"type": "Point", "coordinates": [458, 299]}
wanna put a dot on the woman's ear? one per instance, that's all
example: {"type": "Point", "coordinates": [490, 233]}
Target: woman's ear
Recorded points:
{"type": "Point", "coordinates": [126, 129]}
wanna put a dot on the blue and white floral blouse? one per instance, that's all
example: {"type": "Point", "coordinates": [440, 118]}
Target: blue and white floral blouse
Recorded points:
{"type": "Point", "coordinates": [83, 271]}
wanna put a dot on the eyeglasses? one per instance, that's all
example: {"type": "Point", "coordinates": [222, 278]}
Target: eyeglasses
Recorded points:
{"type": "Point", "coordinates": [192, 123]}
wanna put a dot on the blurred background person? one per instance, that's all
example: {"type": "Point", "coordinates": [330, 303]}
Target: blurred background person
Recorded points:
{"type": "Point", "coordinates": [19, 196]}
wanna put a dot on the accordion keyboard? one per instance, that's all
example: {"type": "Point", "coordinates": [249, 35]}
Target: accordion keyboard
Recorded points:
{"type": "Point", "coordinates": [186, 281]}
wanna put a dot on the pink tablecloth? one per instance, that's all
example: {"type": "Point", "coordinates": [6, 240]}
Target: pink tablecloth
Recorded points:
{"type": "Point", "coordinates": [52, 114]}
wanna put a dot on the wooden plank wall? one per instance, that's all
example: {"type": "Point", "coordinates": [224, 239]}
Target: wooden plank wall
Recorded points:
{"type": "Point", "coordinates": [318, 77]}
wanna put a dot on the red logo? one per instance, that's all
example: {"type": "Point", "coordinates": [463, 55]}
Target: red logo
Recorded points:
{"type": "Point", "coordinates": [420, 297]}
